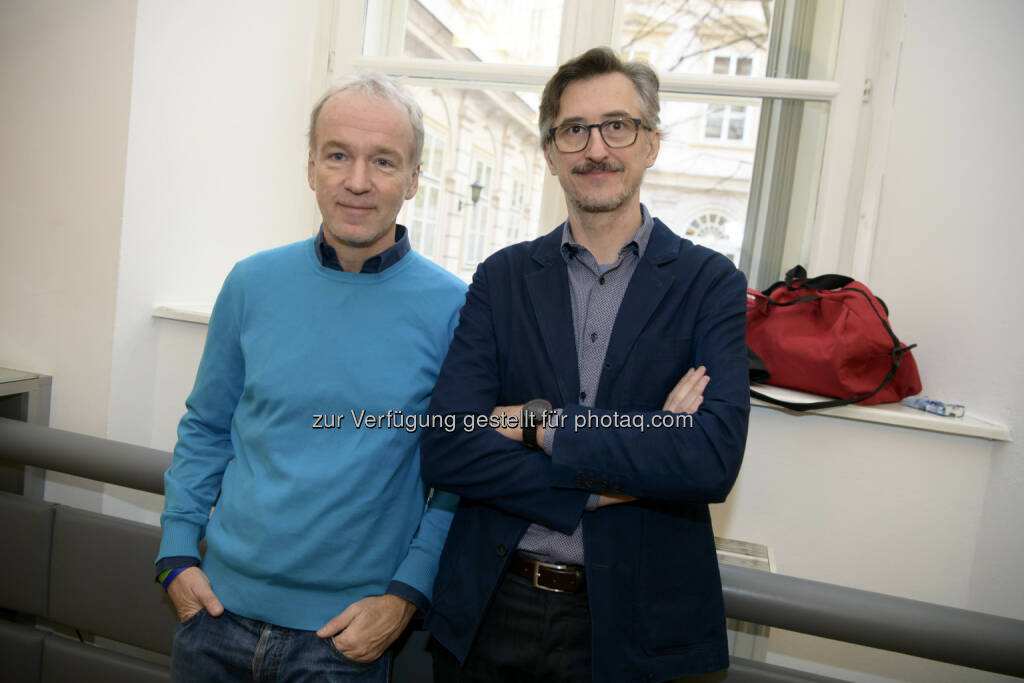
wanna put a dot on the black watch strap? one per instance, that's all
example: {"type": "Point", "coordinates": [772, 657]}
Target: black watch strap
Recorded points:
{"type": "Point", "coordinates": [532, 416]}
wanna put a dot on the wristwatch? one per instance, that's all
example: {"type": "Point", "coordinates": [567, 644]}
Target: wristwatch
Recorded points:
{"type": "Point", "coordinates": [533, 415]}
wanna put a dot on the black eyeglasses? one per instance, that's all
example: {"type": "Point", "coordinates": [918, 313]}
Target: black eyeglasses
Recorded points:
{"type": "Point", "coordinates": [616, 133]}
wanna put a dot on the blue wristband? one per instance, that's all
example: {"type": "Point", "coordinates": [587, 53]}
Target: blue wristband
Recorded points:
{"type": "Point", "coordinates": [171, 575]}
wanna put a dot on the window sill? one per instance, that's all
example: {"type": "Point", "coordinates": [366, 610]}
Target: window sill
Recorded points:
{"type": "Point", "coordinates": [188, 314]}
{"type": "Point", "coordinates": [890, 414]}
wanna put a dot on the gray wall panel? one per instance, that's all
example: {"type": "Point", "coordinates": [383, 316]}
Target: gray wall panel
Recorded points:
{"type": "Point", "coordinates": [102, 579]}
{"type": "Point", "coordinates": [67, 660]}
{"type": "Point", "coordinates": [21, 653]}
{"type": "Point", "coordinates": [25, 531]}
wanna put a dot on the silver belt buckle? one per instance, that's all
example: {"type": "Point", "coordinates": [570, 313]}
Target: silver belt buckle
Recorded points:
{"type": "Point", "coordinates": [536, 575]}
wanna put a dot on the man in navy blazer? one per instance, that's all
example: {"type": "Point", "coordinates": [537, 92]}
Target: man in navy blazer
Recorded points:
{"type": "Point", "coordinates": [598, 376]}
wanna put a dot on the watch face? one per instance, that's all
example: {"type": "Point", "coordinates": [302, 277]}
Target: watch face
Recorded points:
{"type": "Point", "coordinates": [533, 415]}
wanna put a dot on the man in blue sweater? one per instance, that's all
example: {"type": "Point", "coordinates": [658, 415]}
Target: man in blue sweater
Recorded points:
{"type": "Point", "coordinates": [318, 367]}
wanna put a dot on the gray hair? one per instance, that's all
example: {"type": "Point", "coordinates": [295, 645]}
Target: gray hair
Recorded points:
{"type": "Point", "coordinates": [598, 61]}
{"type": "Point", "coordinates": [376, 85]}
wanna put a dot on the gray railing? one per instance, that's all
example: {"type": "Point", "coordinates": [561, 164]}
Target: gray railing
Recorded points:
{"type": "Point", "coordinates": [936, 632]}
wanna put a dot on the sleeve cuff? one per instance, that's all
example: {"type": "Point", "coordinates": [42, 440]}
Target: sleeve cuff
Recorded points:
{"type": "Point", "coordinates": [174, 562]}
{"type": "Point", "coordinates": [549, 433]}
{"type": "Point", "coordinates": [407, 592]}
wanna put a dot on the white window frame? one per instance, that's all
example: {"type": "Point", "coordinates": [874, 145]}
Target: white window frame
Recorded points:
{"type": "Point", "coordinates": [849, 187]}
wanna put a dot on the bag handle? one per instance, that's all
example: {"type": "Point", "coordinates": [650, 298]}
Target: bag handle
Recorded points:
{"type": "Point", "coordinates": [796, 278]}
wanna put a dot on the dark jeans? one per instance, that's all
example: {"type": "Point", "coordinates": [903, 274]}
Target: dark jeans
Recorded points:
{"type": "Point", "coordinates": [528, 634]}
{"type": "Point", "coordinates": [231, 648]}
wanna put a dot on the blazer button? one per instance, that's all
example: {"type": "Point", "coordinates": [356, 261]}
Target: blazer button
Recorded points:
{"type": "Point", "coordinates": [502, 550]}
{"type": "Point", "coordinates": [618, 487]}
{"type": "Point", "coordinates": [604, 485]}
{"type": "Point", "coordinates": [590, 483]}
{"type": "Point", "coordinates": [577, 480]}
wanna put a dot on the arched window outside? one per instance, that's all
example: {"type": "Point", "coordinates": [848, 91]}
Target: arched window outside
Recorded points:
{"type": "Point", "coordinates": [715, 230]}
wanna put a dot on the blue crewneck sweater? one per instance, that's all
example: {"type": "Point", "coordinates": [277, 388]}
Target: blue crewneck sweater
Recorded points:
{"type": "Point", "coordinates": [311, 519]}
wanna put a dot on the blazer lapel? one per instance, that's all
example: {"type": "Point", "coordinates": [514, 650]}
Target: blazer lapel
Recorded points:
{"type": "Point", "coordinates": [548, 288]}
{"type": "Point", "coordinates": [646, 289]}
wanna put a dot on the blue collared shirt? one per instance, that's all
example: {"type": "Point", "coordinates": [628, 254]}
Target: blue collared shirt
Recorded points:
{"type": "Point", "coordinates": [328, 257]}
{"type": "Point", "coordinates": [596, 291]}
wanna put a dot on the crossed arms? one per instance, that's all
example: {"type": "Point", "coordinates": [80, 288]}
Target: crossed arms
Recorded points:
{"type": "Point", "coordinates": [484, 367]}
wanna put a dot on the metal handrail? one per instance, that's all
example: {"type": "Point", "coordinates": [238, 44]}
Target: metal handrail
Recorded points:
{"type": "Point", "coordinates": [923, 629]}
{"type": "Point", "coordinates": [945, 634]}
{"type": "Point", "coordinates": [92, 457]}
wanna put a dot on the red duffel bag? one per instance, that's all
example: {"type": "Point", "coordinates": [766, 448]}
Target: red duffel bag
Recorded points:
{"type": "Point", "coordinates": [828, 335]}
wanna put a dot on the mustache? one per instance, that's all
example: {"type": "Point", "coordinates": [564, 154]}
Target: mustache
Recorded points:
{"type": "Point", "coordinates": [598, 166]}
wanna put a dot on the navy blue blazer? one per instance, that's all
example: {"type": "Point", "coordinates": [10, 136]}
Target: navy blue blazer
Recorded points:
{"type": "Point", "coordinates": [652, 574]}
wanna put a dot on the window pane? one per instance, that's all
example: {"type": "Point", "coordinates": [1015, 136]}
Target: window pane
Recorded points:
{"type": "Point", "coordinates": [713, 127]}
{"type": "Point", "coordinates": [496, 31]}
{"type": "Point", "coordinates": [736, 128]}
{"type": "Point", "coordinates": [734, 36]}
{"type": "Point", "coordinates": [787, 170]}
{"type": "Point", "coordinates": [751, 198]}
{"type": "Point", "coordinates": [466, 127]}
{"type": "Point", "coordinates": [699, 185]}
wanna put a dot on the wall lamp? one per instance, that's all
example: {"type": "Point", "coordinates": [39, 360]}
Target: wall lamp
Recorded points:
{"type": "Point", "coordinates": [474, 193]}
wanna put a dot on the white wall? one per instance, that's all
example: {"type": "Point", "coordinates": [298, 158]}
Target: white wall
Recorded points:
{"type": "Point", "coordinates": [65, 82]}
{"type": "Point", "coordinates": [65, 79]}
{"type": "Point", "coordinates": [888, 509]}
{"type": "Point", "coordinates": [216, 171]}
{"type": "Point", "coordinates": [949, 234]}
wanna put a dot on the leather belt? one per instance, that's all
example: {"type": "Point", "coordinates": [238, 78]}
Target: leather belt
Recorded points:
{"type": "Point", "coordinates": [560, 578]}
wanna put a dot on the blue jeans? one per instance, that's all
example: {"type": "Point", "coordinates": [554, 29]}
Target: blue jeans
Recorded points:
{"type": "Point", "coordinates": [232, 648]}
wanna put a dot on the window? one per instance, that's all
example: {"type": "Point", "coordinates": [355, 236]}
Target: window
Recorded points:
{"type": "Point", "coordinates": [748, 97]}
{"type": "Point", "coordinates": [728, 121]}
{"type": "Point", "coordinates": [725, 122]}
{"type": "Point", "coordinates": [504, 32]}
{"type": "Point", "coordinates": [720, 148]}
{"type": "Point", "coordinates": [716, 231]}
{"type": "Point", "coordinates": [421, 214]}
{"type": "Point", "coordinates": [476, 228]}
{"type": "Point", "coordinates": [516, 207]}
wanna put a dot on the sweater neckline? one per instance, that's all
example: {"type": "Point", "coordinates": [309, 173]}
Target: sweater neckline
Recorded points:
{"type": "Point", "coordinates": [356, 278]}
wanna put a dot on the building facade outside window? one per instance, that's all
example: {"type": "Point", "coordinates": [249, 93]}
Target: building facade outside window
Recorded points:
{"type": "Point", "coordinates": [422, 213]}
{"type": "Point", "coordinates": [755, 152]}
{"type": "Point", "coordinates": [479, 212]}
{"type": "Point", "coordinates": [728, 121]}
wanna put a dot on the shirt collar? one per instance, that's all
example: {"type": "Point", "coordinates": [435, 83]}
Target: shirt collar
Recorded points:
{"type": "Point", "coordinates": [328, 257]}
{"type": "Point", "coordinates": [637, 243]}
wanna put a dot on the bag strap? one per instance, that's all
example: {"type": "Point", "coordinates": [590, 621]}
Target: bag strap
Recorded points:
{"type": "Point", "coordinates": [758, 372]}
{"type": "Point", "coordinates": [897, 358]}
{"type": "Point", "coordinates": [896, 353]}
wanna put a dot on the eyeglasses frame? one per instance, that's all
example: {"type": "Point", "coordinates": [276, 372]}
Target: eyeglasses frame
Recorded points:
{"type": "Point", "coordinates": [639, 123]}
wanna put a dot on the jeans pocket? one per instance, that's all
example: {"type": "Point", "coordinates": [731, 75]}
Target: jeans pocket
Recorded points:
{"type": "Point", "coordinates": [343, 657]}
{"type": "Point", "coordinates": [193, 618]}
